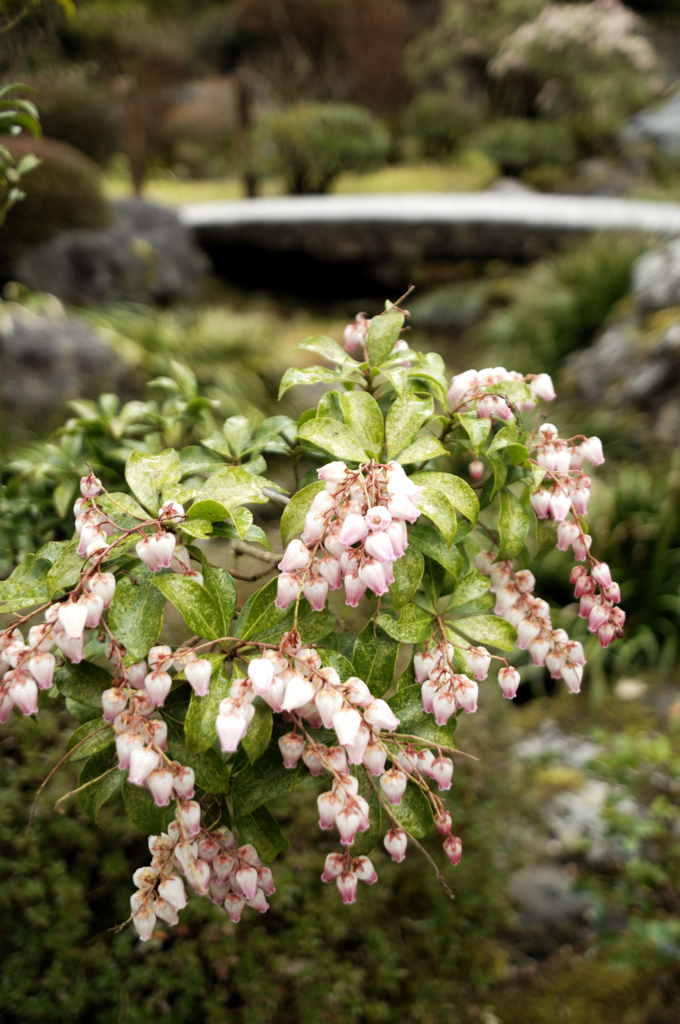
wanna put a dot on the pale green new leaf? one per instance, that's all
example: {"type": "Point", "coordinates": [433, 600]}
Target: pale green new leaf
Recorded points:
{"type": "Point", "coordinates": [136, 612]}
{"type": "Point", "coordinates": [375, 658]}
{"type": "Point", "coordinates": [193, 602]}
{"type": "Point", "coordinates": [364, 419]}
{"type": "Point", "coordinates": [414, 626]}
{"type": "Point", "coordinates": [459, 493]}
{"type": "Point", "coordinates": [383, 334]}
{"type": "Point", "coordinates": [147, 475]}
{"type": "Point", "coordinates": [487, 629]}
{"type": "Point", "coordinates": [404, 420]}
{"type": "Point", "coordinates": [437, 507]}
{"type": "Point", "coordinates": [333, 437]}
{"type": "Point", "coordinates": [422, 450]}
{"type": "Point", "coordinates": [408, 572]}
{"type": "Point", "coordinates": [513, 526]}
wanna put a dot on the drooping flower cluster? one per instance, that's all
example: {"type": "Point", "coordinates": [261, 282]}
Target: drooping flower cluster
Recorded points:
{"type": "Point", "coordinates": [445, 689]}
{"type": "Point", "coordinates": [212, 863]}
{"type": "Point", "coordinates": [468, 394]}
{"type": "Point", "coordinates": [353, 532]}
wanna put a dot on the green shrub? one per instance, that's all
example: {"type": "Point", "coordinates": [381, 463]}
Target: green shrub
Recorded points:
{"type": "Point", "coordinates": [62, 194]}
{"type": "Point", "coordinates": [437, 122]}
{"type": "Point", "coordinates": [518, 143]}
{"type": "Point", "coordinates": [310, 144]}
{"type": "Point", "coordinates": [80, 114]}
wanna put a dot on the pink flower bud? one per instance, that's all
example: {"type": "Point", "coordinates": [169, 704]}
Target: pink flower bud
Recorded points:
{"type": "Point", "coordinates": [145, 922]}
{"type": "Point", "coordinates": [246, 877]}
{"type": "Point", "coordinates": [346, 722]}
{"type": "Point", "coordinates": [94, 606]}
{"type": "Point", "coordinates": [333, 472]}
{"type": "Point", "coordinates": [172, 890]}
{"type": "Point", "coordinates": [23, 691]}
{"type": "Point", "coordinates": [328, 803]}
{"type": "Point", "coordinates": [72, 616]}
{"type": "Point", "coordinates": [296, 556]}
{"type": "Point", "coordinates": [572, 675]}
{"type": "Point", "coordinates": [287, 591]}
{"type": "Point", "coordinates": [291, 746]}
{"type": "Point", "coordinates": [423, 665]}
{"type": "Point", "coordinates": [442, 772]}
{"type": "Point", "coordinates": [349, 821]}
{"type": "Point", "coordinates": [443, 822]}
{"type": "Point", "coordinates": [231, 728]}
{"type": "Point", "coordinates": [560, 505]}
{"type": "Point", "coordinates": [581, 547]}
{"type": "Point", "coordinates": [372, 575]}
{"type": "Point", "coordinates": [466, 693]}
{"type": "Point", "coordinates": [453, 848]}
{"type": "Point", "coordinates": [125, 743]}
{"type": "Point", "coordinates": [480, 660]}
{"type": "Point", "coordinates": [137, 673]}
{"type": "Point", "coordinates": [476, 469]}
{"type": "Point", "coordinates": [189, 813]}
{"type": "Point", "coordinates": [393, 784]}
{"type": "Point", "coordinates": [328, 701]}
{"type": "Point", "coordinates": [592, 451]}
{"type": "Point", "coordinates": [443, 705]}
{"type": "Point", "coordinates": [198, 675]}
{"type": "Point", "coordinates": [356, 750]}
{"type": "Point", "coordinates": [356, 691]}
{"type": "Point", "coordinates": [113, 702]}
{"type": "Point", "coordinates": [298, 691]}
{"type": "Point", "coordinates": [171, 510]}
{"type": "Point", "coordinates": [397, 535]}
{"type": "Point", "coordinates": [527, 630]}
{"type": "Point", "coordinates": [378, 546]}
{"type": "Point", "coordinates": [329, 569]}
{"type": "Point", "coordinates": [337, 759]}
{"type": "Point", "coordinates": [198, 875]}
{"type": "Point", "coordinates": [606, 634]}
{"type": "Point", "coordinates": [612, 593]}
{"type": "Point", "coordinates": [380, 715]}
{"type": "Point", "coordinates": [333, 866]}
{"type": "Point", "coordinates": [540, 502]}
{"type": "Point", "coordinates": [580, 498]}
{"type": "Point", "coordinates": [159, 783]}
{"type": "Point", "coordinates": [347, 886]}
{"type": "Point", "coordinates": [73, 649]}
{"type": "Point", "coordinates": [567, 534]}
{"type": "Point", "coordinates": [165, 911]}
{"type": "Point", "coordinates": [509, 680]}
{"type": "Point", "coordinates": [425, 761]}
{"type": "Point", "coordinates": [355, 588]}
{"type": "Point", "coordinates": [377, 518]}
{"type": "Point", "coordinates": [395, 843]}
{"type": "Point", "coordinates": [401, 507]}
{"type": "Point", "coordinates": [234, 905]}
{"type": "Point", "coordinates": [538, 649]}
{"type": "Point", "coordinates": [261, 675]}
{"type": "Point", "coordinates": [461, 385]}
{"type": "Point", "coordinates": [143, 760]}
{"type": "Point", "coordinates": [41, 667]}
{"type": "Point", "coordinates": [315, 589]}
{"type": "Point", "coordinates": [542, 387]}
{"type": "Point", "coordinates": [184, 781]}
{"type": "Point", "coordinates": [157, 685]}
{"type": "Point", "coordinates": [222, 864]}
{"type": "Point", "coordinates": [598, 616]}
{"type": "Point", "coordinates": [374, 757]}
{"type": "Point", "coordinates": [602, 574]}
{"type": "Point", "coordinates": [312, 757]}
{"type": "Point", "coordinates": [364, 870]}
{"type": "Point", "coordinates": [265, 881]}
{"type": "Point", "coordinates": [90, 486]}
{"type": "Point", "coordinates": [354, 528]}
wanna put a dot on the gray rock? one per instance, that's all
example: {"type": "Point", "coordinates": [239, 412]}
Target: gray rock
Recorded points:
{"type": "Point", "coordinates": [550, 910]}
{"type": "Point", "coordinates": [656, 278]}
{"type": "Point", "coordinates": [147, 256]}
{"type": "Point", "coordinates": [660, 124]}
{"type": "Point", "coordinates": [45, 361]}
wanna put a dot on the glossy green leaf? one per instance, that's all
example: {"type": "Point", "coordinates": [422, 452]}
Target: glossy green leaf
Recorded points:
{"type": "Point", "coordinates": [365, 421]}
{"type": "Point", "coordinates": [208, 508]}
{"type": "Point", "coordinates": [458, 492]}
{"type": "Point", "coordinates": [196, 459]}
{"type": "Point", "coordinates": [233, 486]}
{"type": "Point", "coordinates": [261, 829]}
{"type": "Point", "coordinates": [66, 571]}
{"type": "Point", "coordinates": [193, 602]}
{"type": "Point", "coordinates": [499, 474]}
{"type": "Point", "coordinates": [365, 841]}
{"type": "Point", "coordinates": [487, 629]}
{"type": "Point", "coordinates": [422, 450]}
{"type": "Point", "coordinates": [312, 375]}
{"type": "Point", "coordinates": [342, 665]}
{"type": "Point", "coordinates": [136, 612]}
{"type": "Point", "coordinates": [513, 526]}
{"type": "Point", "coordinates": [293, 518]}
{"type": "Point", "coordinates": [329, 349]}
{"type": "Point", "coordinates": [414, 813]}
{"type": "Point", "coordinates": [212, 774]}
{"type": "Point", "coordinates": [257, 783]}
{"type": "Point", "coordinates": [513, 390]}
{"type": "Point", "coordinates": [329, 405]}
{"type": "Point", "coordinates": [147, 475]}
{"type": "Point", "coordinates": [143, 812]}
{"type": "Point", "coordinates": [437, 507]}
{"type": "Point", "coordinates": [408, 572]}
{"type": "Point", "coordinates": [84, 683]}
{"type": "Point", "coordinates": [407, 704]}
{"type": "Point", "coordinates": [408, 676]}
{"type": "Point", "coordinates": [433, 581]}
{"type": "Point", "coordinates": [222, 589]}
{"type": "Point", "coordinates": [335, 438]}
{"type": "Point", "coordinates": [375, 658]}
{"type": "Point", "coordinates": [82, 712]}
{"type": "Point", "coordinates": [396, 375]}
{"type": "Point", "coordinates": [429, 541]}
{"type": "Point", "coordinates": [404, 420]}
{"type": "Point", "coordinates": [123, 509]}
{"type": "Point", "coordinates": [414, 626]}
{"type": "Point", "coordinates": [256, 740]}
{"type": "Point", "coordinates": [476, 429]}
{"type": "Point", "coordinates": [199, 724]}
{"type": "Point", "coordinates": [546, 536]}
{"type": "Point", "coordinates": [95, 795]}
{"type": "Point", "coordinates": [470, 587]}
{"type": "Point", "coordinates": [92, 736]}
{"type": "Point", "coordinates": [383, 334]}
{"type": "Point", "coordinates": [260, 619]}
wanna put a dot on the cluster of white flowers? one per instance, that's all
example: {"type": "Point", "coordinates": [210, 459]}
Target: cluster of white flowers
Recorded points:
{"type": "Point", "coordinates": [444, 688]}
{"type": "Point", "coordinates": [213, 864]}
{"type": "Point", "coordinates": [353, 532]}
{"type": "Point", "coordinates": [468, 394]}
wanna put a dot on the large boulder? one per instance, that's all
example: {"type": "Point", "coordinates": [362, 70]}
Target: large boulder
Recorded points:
{"type": "Point", "coordinates": [45, 360]}
{"type": "Point", "coordinates": [148, 256]}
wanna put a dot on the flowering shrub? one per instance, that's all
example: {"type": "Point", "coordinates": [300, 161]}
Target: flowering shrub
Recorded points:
{"type": "Point", "coordinates": [431, 561]}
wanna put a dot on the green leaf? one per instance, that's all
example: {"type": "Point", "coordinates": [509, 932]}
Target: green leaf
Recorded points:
{"type": "Point", "coordinates": [437, 507]}
{"type": "Point", "coordinates": [256, 740]}
{"type": "Point", "coordinates": [546, 536]}
{"type": "Point", "coordinates": [143, 812]}
{"type": "Point", "coordinates": [422, 450]}
{"type": "Point", "coordinates": [383, 334]}
{"type": "Point", "coordinates": [396, 375]}
{"type": "Point", "coordinates": [266, 779]}
{"type": "Point", "coordinates": [222, 589]}
{"type": "Point", "coordinates": [342, 665]}
{"type": "Point", "coordinates": [471, 587]}
{"type": "Point", "coordinates": [84, 682]}
{"type": "Point", "coordinates": [434, 577]}
{"type": "Point", "coordinates": [414, 813]}
{"type": "Point", "coordinates": [312, 375]}
{"type": "Point", "coordinates": [254, 534]}
{"type": "Point", "coordinates": [199, 724]}
{"type": "Point", "coordinates": [365, 421]}
{"type": "Point", "coordinates": [513, 526]}
{"type": "Point", "coordinates": [66, 571]}
{"type": "Point", "coordinates": [375, 658]}
{"type": "Point", "coordinates": [260, 619]}
{"type": "Point", "coordinates": [459, 493]}
{"type": "Point", "coordinates": [476, 430]}
{"type": "Point", "coordinates": [293, 518]}
{"type": "Point", "coordinates": [213, 511]}
{"type": "Point", "coordinates": [414, 626]}
{"type": "Point", "coordinates": [494, 483]}
{"type": "Point", "coordinates": [147, 475]}
{"type": "Point", "coordinates": [333, 437]}
{"type": "Point", "coordinates": [408, 572]}
{"type": "Point", "coordinates": [327, 348]}
{"type": "Point", "coordinates": [421, 380]}
{"type": "Point", "coordinates": [404, 420]}
{"type": "Point", "coordinates": [514, 390]}
{"type": "Point", "coordinates": [136, 612]}
{"type": "Point", "coordinates": [82, 712]}
{"type": "Point", "coordinates": [487, 629]}
{"type": "Point", "coordinates": [261, 829]}
{"type": "Point", "coordinates": [430, 542]}
{"type": "Point", "coordinates": [196, 459]}
{"type": "Point", "coordinates": [407, 704]}
{"type": "Point", "coordinates": [408, 676]}
{"type": "Point", "coordinates": [94, 796]}
{"type": "Point", "coordinates": [211, 772]}
{"type": "Point", "coordinates": [329, 405]}
{"type": "Point", "coordinates": [365, 841]}
{"type": "Point", "coordinates": [193, 602]}
{"type": "Point", "coordinates": [92, 736]}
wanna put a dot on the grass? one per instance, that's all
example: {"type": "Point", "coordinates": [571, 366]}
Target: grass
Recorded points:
{"type": "Point", "coordinates": [471, 173]}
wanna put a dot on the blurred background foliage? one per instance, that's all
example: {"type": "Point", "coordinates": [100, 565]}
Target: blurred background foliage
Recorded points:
{"type": "Point", "coordinates": [199, 99]}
